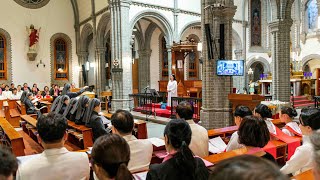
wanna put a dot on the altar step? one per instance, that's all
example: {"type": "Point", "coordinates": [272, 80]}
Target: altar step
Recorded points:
{"type": "Point", "coordinates": [301, 101]}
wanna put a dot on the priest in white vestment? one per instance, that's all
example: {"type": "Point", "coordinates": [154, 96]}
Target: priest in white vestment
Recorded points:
{"type": "Point", "coordinates": [172, 89]}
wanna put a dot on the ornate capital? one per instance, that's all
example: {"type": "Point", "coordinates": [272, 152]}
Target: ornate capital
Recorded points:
{"type": "Point", "coordinates": [145, 52]}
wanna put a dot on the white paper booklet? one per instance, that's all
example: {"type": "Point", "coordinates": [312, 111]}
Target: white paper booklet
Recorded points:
{"type": "Point", "coordinates": [156, 141]}
{"type": "Point", "coordinates": [217, 145]}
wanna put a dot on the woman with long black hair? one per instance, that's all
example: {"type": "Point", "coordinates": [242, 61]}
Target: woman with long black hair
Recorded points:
{"type": "Point", "coordinates": [66, 91]}
{"type": "Point", "coordinates": [79, 109]}
{"type": "Point", "coordinates": [180, 163]}
{"type": "Point", "coordinates": [94, 120]}
{"type": "Point", "coordinates": [66, 112]}
{"type": "Point", "coordinates": [62, 104]}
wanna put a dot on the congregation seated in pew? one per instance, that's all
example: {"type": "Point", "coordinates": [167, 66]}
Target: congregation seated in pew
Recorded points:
{"type": "Point", "coordinates": [110, 157]}
{"type": "Point", "coordinates": [302, 158]}
{"type": "Point", "coordinates": [94, 120]}
{"type": "Point", "coordinates": [292, 128]}
{"type": "Point", "coordinates": [180, 162]}
{"type": "Point", "coordinates": [239, 113]}
{"type": "Point", "coordinates": [199, 140]}
{"type": "Point", "coordinates": [265, 113]}
{"type": "Point", "coordinates": [62, 104]}
{"type": "Point", "coordinates": [66, 113]}
{"type": "Point", "coordinates": [140, 149]}
{"type": "Point", "coordinates": [14, 95]}
{"type": "Point", "coordinates": [55, 162]}
{"type": "Point", "coordinates": [30, 106]}
{"type": "Point", "coordinates": [246, 167]}
{"type": "Point", "coordinates": [78, 110]}
{"type": "Point", "coordinates": [8, 164]}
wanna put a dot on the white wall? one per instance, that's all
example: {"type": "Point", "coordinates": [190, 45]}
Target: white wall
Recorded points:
{"type": "Point", "coordinates": [56, 17]}
{"type": "Point", "coordinates": [84, 9]}
{"type": "Point", "coordinates": [191, 5]}
{"type": "Point", "coordinates": [91, 79]}
{"type": "Point", "coordinates": [154, 60]}
{"type": "Point", "coordinates": [100, 4]}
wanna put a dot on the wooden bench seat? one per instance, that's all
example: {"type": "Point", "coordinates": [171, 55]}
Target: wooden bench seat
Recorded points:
{"type": "Point", "coordinates": [87, 136]}
{"type": "Point", "coordinates": [14, 137]}
{"type": "Point", "coordinates": [223, 132]}
{"type": "Point", "coordinates": [2, 114]}
{"type": "Point", "coordinates": [21, 108]}
{"type": "Point", "coordinates": [12, 115]}
{"type": "Point", "coordinates": [307, 175]}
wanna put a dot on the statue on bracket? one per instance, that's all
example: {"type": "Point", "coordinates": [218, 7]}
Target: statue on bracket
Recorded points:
{"type": "Point", "coordinates": [33, 42]}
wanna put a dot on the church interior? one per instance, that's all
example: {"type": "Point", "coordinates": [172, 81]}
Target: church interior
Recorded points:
{"type": "Point", "coordinates": [122, 88]}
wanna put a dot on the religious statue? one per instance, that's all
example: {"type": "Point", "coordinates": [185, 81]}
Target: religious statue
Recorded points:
{"type": "Point", "coordinates": [33, 35]}
{"type": "Point", "coordinates": [251, 86]}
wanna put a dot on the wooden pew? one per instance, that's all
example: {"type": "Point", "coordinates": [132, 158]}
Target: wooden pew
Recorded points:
{"type": "Point", "coordinates": [29, 126]}
{"type": "Point", "coordinates": [14, 137]}
{"type": "Point", "coordinates": [222, 132]}
{"type": "Point", "coordinates": [307, 175]}
{"type": "Point", "coordinates": [12, 115]}
{"type": "Point", "coordinates": [82, 133]}
{"type": "Point", "coordinates": [21, 108]}
{"type": "Point", "coordinates": [48, 104]}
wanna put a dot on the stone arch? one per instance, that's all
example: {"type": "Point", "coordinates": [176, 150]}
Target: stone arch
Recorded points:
{"type": "Point", "coordinates": [103, 25]}
{"type": "Point", "coordinates": [9, 56]}
{"type": "Point", "coordinates": [236, 40]}
{"type": "Point", "coordinates": [87, 30]}
{"type": "Point", "coordinates": [148, 34]}
{"type": "Point", "coordinates": [166, 26]}
{"type": "Point", "coordinates": [185, 27]}
{"type": "Point", "coordinates": [263, 61]}
{"type": "Point", "coordinates": [69, 46]}
{"type": "Point", "coordinates": [308, 58]}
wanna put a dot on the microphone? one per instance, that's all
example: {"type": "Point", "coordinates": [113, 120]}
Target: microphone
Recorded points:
{"type": "Point", "coordinates": [147, 87]}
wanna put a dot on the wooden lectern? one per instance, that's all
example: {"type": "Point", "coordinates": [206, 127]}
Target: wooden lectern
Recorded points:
{"type": "Point", "coordinates": [245, 99]}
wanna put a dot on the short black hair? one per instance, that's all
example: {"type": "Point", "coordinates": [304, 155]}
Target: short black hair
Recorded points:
{"type": "Point", "coordinates": [253, 131]}
{"type": "Point", "coordinates": [14, 89]}
{"type": "Point", "coordinates": [291, 112]}
{"type": "Point", "coordinates": [264, 111]}
{"type": "Point", "coordinates": [185, 110]}
{"type": "Point", "coordinates": [6, 86]}
{"type": "Point", "coordinates": [123, 121]}
{"type": "Point", "coordinates": [8, 162]}
{"type": "Point", "coordinates": [242, 111]}
{"type": "Point", "coordinates": [246, 167]}
{"type": "Point", "coordinates": [51, 127]}
{"type": "Point", "coordinates": [310, 117]}
{"type": "Point", "coordinates": [12, 84]}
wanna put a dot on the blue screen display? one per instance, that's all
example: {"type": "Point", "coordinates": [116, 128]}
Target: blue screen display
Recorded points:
{"type": "Point", "coordinates": [230, 67]}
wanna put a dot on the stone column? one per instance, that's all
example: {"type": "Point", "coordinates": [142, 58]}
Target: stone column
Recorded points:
{"type": "Point", "coordinates": [175, 21]}
{"type": "Point", "coordinates": [100, 70]}
{"type": "Point", "coordinates": [144, 68]}
{"type": "Point", "coordinates": [121, 51]}
{"type": "Point", "coordinates": [83, 58]}
{"type": "Point", "coordinates": [239, 81]}
{"type": "Point", "coordinates": [280, 30]}
{"type": "Point", "coordinates": [169, 60]}
{"type": "Point", "coordinates": [216, 111]}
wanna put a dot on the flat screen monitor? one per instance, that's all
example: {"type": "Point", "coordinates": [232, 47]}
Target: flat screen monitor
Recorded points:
{"type": "Point", "coordinates": [230, 68]}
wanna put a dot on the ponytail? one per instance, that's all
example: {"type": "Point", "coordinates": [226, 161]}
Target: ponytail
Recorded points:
{"type": "Point", "coordinates": [185, 160]}
{"type": "Point", "coordinates": [123, 173]}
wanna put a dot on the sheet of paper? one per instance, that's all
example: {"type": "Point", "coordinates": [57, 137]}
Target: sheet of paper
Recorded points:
{"type": "Point", "coordinates": [156, 141]}
{"type": "Point", "coordinates": [105, 120]}
{"type": "Point", "coordinates": [140, 176]}
{"type": "Point", "coordinates": [217, 144]}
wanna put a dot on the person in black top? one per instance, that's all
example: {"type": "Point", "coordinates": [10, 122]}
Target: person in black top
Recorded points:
{"type": "Point", "coordinates": [45, 90]}
{"type": "Point", "coordinates": [52, 89]}
{"type": "Point", "coordinates": [94, 120]}
{"type": "Point", "coordinates": [55, 103]}
{"type": "Point", "coordinates": [30, 107]}
{"type": "Point", "coordinates": [3, 87]}
{"type": "Point", "coordinates": [246, 167]}
{"type": "Point", "coordinates": [23, 96]}
{"type": "Point", "coordinates": [66, 112]}
{"type": "Point", "coordinates": [62, 104]}
{"type": "Point", "coordinates": [254, 135]}
{"type": "Point", "coordinates": [25, 87]}
{"type": "Point", "coordinates": [11, 87]}
{"type": "Point", "coordinates": [79, 109]}
{"type": "Point", "coordinates": [66, 91]}
{"type": "Point", "coordinates": [182, 164]}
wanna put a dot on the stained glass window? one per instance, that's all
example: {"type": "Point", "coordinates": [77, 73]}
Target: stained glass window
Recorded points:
{"type": "Point", "coordinates": [61, 60]}
{"type": "Point", "coordinates": [312, 11]}
{"type": "Point", "coordinates": [3, 61]}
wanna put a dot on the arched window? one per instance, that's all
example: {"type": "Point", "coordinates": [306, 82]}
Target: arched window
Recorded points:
{"type": "Point", "coordinates": [3, 58]}
{"type": "Point", "coordinates": [312, 12]}
{"type": "Point", "coordinates": [255, 16]}
{"type": "Point", "coordinates": [61, 68]}
{"type": "Point", "coordinates": [164, 58]}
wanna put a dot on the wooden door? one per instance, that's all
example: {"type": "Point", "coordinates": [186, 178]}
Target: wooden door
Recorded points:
{"type": "Point", "coordinates": [135, 76]}
{"type": "Point", "coordinates": [178, 71]}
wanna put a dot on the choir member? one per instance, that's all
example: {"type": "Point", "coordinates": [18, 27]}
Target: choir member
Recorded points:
{"type": "Point", "coordinates": [79, 109]}
{"type": "Point", "coordinates": [6, 93]}
{"type": "Point", "coordinates": [62, 104]}
{"type": "Point", "coordinates": [66, 91]}
{"type": "Point", "coordinates": [110, 157]}
{"type": "Point", "coordinates": [302, 158]}
{"type": "Point", "coordinates": [11, 87]}
{"type": "Point", "coordinates": [199, 139]}
{"type": "Point", "coordinates": [15, 94]}
{"type": "Point", "coordinates": [265, 113]}
{"type": "Point", "coordinates": [239, 113]}
{"type": "Point", "coordinates": [180, 163]}
{"type": "Point", "coordinates": [292, 128]}
{"type": "Point", "coordinates": [172, 88]}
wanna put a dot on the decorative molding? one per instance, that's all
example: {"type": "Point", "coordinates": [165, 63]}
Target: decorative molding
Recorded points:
{"type": "Point", "coordinates": [32, 4]}
{"type": "Point", "coordinates": [70, 66]}
{"type": "Point", "coordinates": [9, 56]}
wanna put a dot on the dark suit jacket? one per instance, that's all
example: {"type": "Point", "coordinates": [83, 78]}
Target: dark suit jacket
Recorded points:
{"type": "Point", "coordinates": [97, 126]}
{"type": "Point", "coordinates": [168, 170]}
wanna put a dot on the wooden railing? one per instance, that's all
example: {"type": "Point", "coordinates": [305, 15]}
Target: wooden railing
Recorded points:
{"type": "Point", "coordinates": [196, 103]}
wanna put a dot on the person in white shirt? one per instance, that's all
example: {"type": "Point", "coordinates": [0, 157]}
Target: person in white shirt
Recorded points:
{"type": "Point", "coordinates": [140, 149]}
{"type": "Point", "coordinates": [55, 162]}
{"type": "Point", "coordinates": [265, 113]}
{"type": "Point", "coordinates": [15, 95]}
{"type": "Point", "coordinates": [172, 89]}
{"type": "Point", "coordinates": [8, 164]}
{"type": "Point", "coordinates": [302, 159]}
{"type": "Point", "coordinates": [19, 91]}
{"type": "Point", "coordinates": [199, 140]}
{"type": "Point", "coordinates": [315, 140]}
{"type": "Point", "coordinates": [239, 113]}
{"type": "Point", "coordinates": [110, 157]}
{"type": "Point", "coordinates": [6, 93]}
{"type": "Point", "coordinates": [286, 116]}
